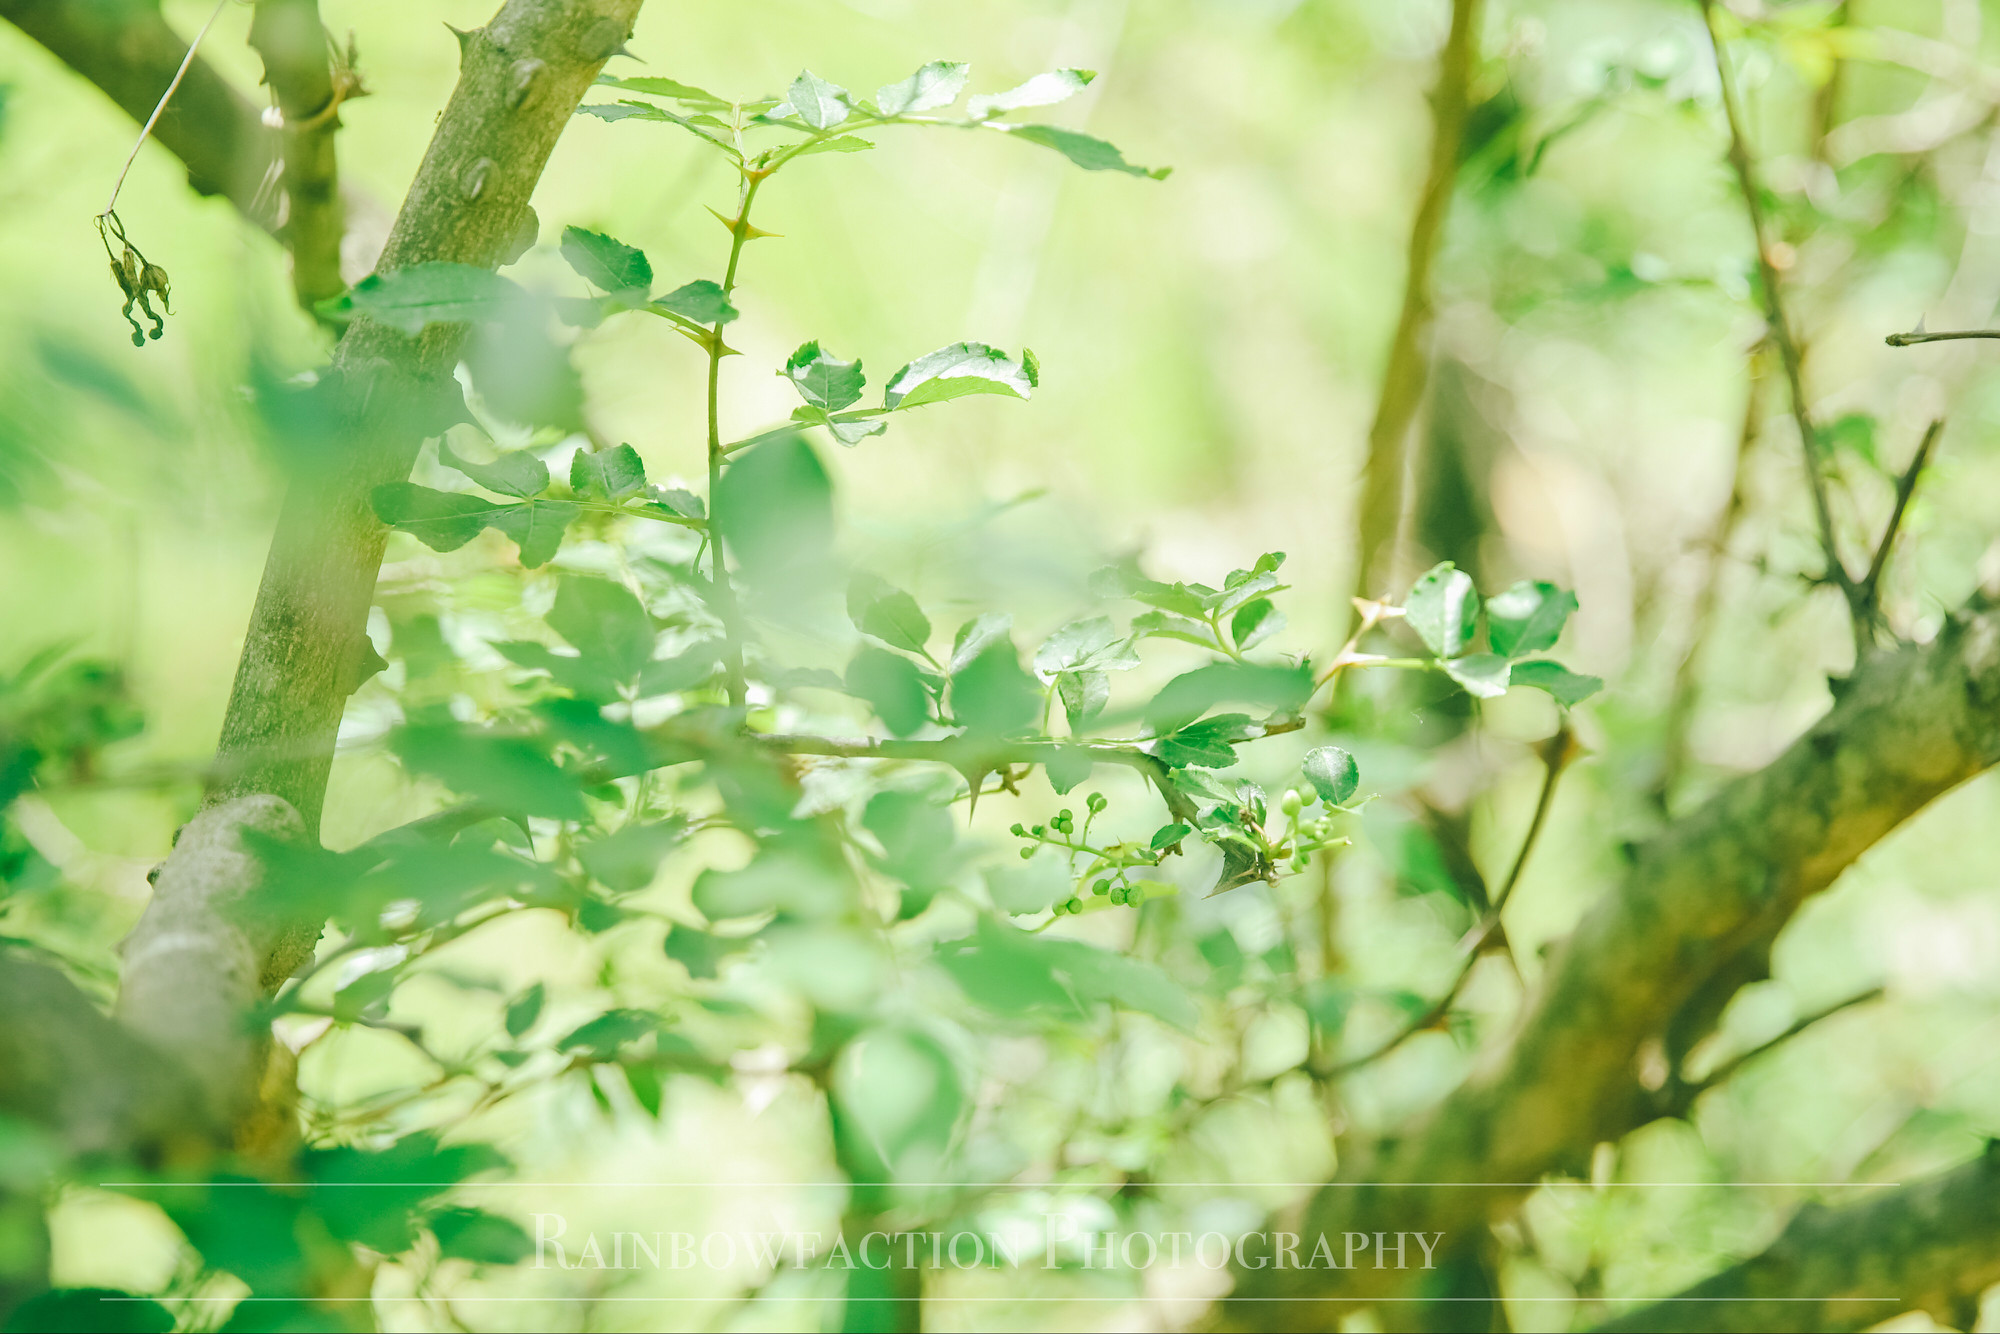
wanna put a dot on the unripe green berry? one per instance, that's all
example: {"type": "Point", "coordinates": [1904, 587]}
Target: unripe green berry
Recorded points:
{"type": "Point", "coordinates": [1060, 907]}
{"type": "Point", "coordinates": [1019, 830]}
{"type": "Point", "coordinates": [1063, 816]}
{"type": "Point", "coordinates": [1074, 905]}
{"type": "Point", "coordinates": [1027, 854]}
{"type": "Point", "coordinates": [1101, 888]}
{"type": "Point", "coordinates": [1097, 802]}
{"type": "Point", "coordinates": [1292, 802]}
{"type": "Point", "coordinates": [1118, 894]}
{"type": "Point", "coordinates": [1038, 830]}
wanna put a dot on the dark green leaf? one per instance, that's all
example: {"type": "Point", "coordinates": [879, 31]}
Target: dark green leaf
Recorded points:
{"type": "Point", "coordinates": [1041, 91]}
{"type": "Point", "coordinates": [1332, 773]}
{"type": "Point", "coordinates": [1569, 688]}
{"type": "Point", "coordinates": [824, 380]}
{"type": "Point", "coordinates": [101, 1310]}
{"type": "Point", "coordinates": [774, 507]}
{"type": "Point", "coordinates": [955, 372]}
{"type": "Point", "coordinates": [937, 84]}
{"type": "Point", "coordinates": [701, 301]}
{"type": "Point", "coordinates": [482, 1238]}
{"type": "Point", "coordinates": [507, 771]}
{"type": "Point", "coordinates": [441, 520]}
{"type": "Point", "coordinates": [1169, 834]}
{"type": "Point", "coordinates": [608, 265]}
{"type": "Point", "coordinates": [1086, 151]}
{"type": "Point", "coordinates": [976, 635]}
{"type": "Point", "coordinates": [1527, 618]}
{"type": "Point", "coordinates": [518, 473]}
{"type": "Point", "coordinates": [1255, 622]}
{"type": "Point", "coordinates": [607, 474]}
{"type": "Point", "coordinates": [893, 686]}
{"type": "Point", "coordinates": [658, 87]}
{"type": "Point", "coordinates": [536, 526]}
{"type": "Point", "coordinates": [992, 696]}
{"type": "Point", "coordinates": [424, 294]}
{"type": "Point", "coordinates": [626, 861]}
{"type": "Point", "coordinates": [697, 951]}
{"type": "Point", "coordinates": [1208, 743]}
{"type": "Point", "coordinates": [605, 623]}
{"type": "Point", "coordinates": [1443, 609]}
{"type": "Point", "coordinates": [1166, 625]}
{"type": "Point", "coordinates": [1282, 689]}
{"type": "Point", "coordinates": [604, 1035]}
{"type": "Point", "coordinates": [1084, 695]}
{"type": "Point", "coordinates": [888, 613]}
{"type": "Point", "coordinates": [524, 1009]}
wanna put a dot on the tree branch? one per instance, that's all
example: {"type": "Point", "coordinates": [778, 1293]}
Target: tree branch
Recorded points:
{"type": "Point", "coordinates": [127, 49]}
{"type": "Point", "coordinates": [1408, 368]}
{"type": "Point", "coordinates": [1933, 1246]}
{"type": "Point", "coordinates": [1781, 335]}
{"type": "Point", "coordinates": [1906, 486]}
{"type": "Point", "coordinates": [521, 77]}
{"type": "Point", "coordinates": [309, 88]}
{"type": "Point", "coordinates": [1911, 724]}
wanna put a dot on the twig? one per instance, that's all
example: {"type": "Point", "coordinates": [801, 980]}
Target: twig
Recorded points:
{"type": "Point", "coordinates": [1916, 336]}
{"type": "Point", "coordinates": [1906, 485]}
{"type": "Point", "coordinates": [1781, 331]}
{"type": "Point", "coordinates": [146, 131]}
{"type": "Point", "coordinates": [1696, 1088]}
{"type": "Point", "coordinates": [1556, 754]}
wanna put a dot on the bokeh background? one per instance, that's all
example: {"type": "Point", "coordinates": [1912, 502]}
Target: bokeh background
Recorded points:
{"type": "Point", "coordinates": [1212, 347]}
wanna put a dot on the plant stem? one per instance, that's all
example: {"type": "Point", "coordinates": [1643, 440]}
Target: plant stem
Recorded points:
{"type": "Point", "coordinates": [725, 592]}
{"type": "Point", "coordinates": [1781, 333]}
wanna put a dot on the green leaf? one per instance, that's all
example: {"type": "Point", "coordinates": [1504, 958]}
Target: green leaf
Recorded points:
{"type": "Point", "coordinates": [976, 635]}
{"type": "Point", "coordinates": [701, 302]}
{"type": "Point", "coordinates": [1086, 151]}
{"type": "Point", "coordinates": [1084, 695]}
{"type": "Point", "coordinates": [1169, 834]}
{"type": "Point", "coordinates": [1166, 625]}
{"type": "Point", "coordinates": [918, 845]}
{"type": "Point", "coordinates": [518, 473]}
{"type": "Point", "coordinates": [824, 380]}
{"type": "Point", "coordinates": [1092, 645]}
{"type": "Point", "coordinates": [892, 685]}
{"type": "Point", "coordinates": [1482, 674]}
{"type": "Point", "coordinates": [1044, 90]}
{"type": "Point", "coordinates": [774, 507]}
{"type": "Point", "coordinates": [1121, 980]}
{"type": "Point", "coordinates": [1255, 622]}
{"type": "Point", "coordinates": [955, 372]}
{"type": "Point", "coordinates": [1209, 743]}
{"type": "Point", "coordinates": [1332, 773]}
{"type": "Point", "coordinates": [424, 294]}
{"type": "Point", "coordinates": [480, 1237]}
{"type": "Point", "coordinates": [524, 1009]}
{"type": "Point", "coordinates": [1067, 766]}
{"type": "Point", "coordinates": [609, 265]}
{"type": "Point", "coordinates": [604, 1035]}
{"type": "Point", "coordinates": [508, 771]}
{"type": "Point", "coordinates": [102, 1310]}
{"type": "Point", "coordinates": [625, 862]}
{"type": "Point", "coordinates": [818, 103]}
{"type": "Point", "coordinates": [1017, 888]}
{"type": "Point", "coordinates": [605, 623]}
{"type": "Point", "coordinates": [680, 92]}
{"type": "Point", "coordinates": [536, 526]}
{"type": "Point", "coordinates": [441, 520]}
{"type": "Point", "coordinates": [937, 84]}
{"type": "Point", "coordinates": [888, 613]}
{"type": "Point", "coordinates": [1570, 688]}
{"type": "Point", "coordinates": [896, 1104]}
{"type": "Point", "coordinates": [1443, 609]}
{"type": "Point", "coordinates": [840, 143]}
{"type": "Point", "coordinates": [1282, 689]}
{"type": "Point", "coordinates": [607, 474]}
{"type": "Point", "coordinates": [697, 951]}
{"type": "Point", "coordinates": [992, 696]}
{"type": "Point", "coordinates": [1527, 618]}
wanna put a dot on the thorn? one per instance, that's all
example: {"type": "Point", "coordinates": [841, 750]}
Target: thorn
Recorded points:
{"type": "Point", "coordinates": [749, 233]}
{"type": "Point", "coordinates": [465, 37]}
{"type": "Point", "coordinates": [1920, 325]}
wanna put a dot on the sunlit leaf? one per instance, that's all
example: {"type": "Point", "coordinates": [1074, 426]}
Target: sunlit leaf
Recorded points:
{"type": "Point", "coordinates": [955, 372]}
{"type": "Point", "coordinates": [1086, 151]}
{"type": "Point", "coordinates": [607, 474]}
{"type": "Point", "coordinates": [1333, 774]}
{"type": "Point", "coordinates": [937, 84]}
{"type": "Point", "coordinates": [1443, 609]}
{"type": "Point", "coordinates": [1041, 91]}
{"type": "Point", "coordinates": [824, 380]}
{"type": "Point", "coordinates": [818, 103]}
{"type": "Point", "coordinates": [609, 265]}
{"type": "Point", "coordinates": [1527, 618]}
{"type": "Point", "coordinates": [518, 473]}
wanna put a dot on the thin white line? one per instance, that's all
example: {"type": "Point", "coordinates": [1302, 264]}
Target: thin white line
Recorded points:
{"type": "Point", "coordinates": [1136, 1297]}
{"type": "Point", "coordinates": [1079, 1185]}
{"type": "Point", "coordinates": [165, 97]}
